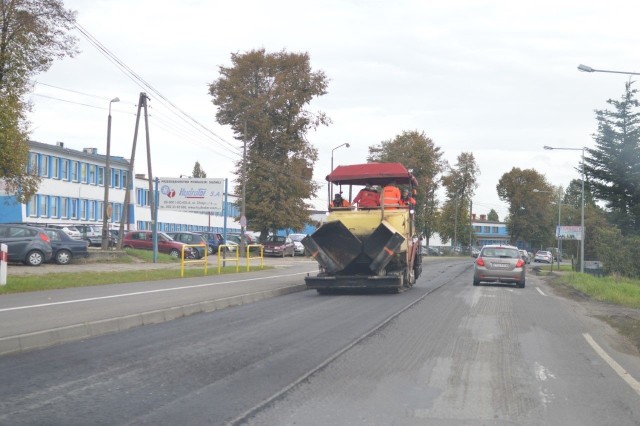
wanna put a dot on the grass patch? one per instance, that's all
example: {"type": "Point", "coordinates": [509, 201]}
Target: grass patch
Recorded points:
{"type": "Point", "coordinates": [621, 291]}
{"type": "Point", "coordinates": [147, 256]}
{"type": "Point", "coordinates": [27, 283]}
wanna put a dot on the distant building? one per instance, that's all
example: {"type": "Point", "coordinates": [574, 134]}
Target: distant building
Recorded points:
{"type": "Point", "coordinates": [72, 192]}
{"type": "Point", "coordinates": [489, 232]}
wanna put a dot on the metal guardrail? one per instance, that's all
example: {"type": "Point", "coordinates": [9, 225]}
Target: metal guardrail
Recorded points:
{"type": "Point", "coordinates": [183, 261]}
{"type": "Point", "coordinates": [250, 258]}
{"type": "Point", "coordinates": [221, 247]}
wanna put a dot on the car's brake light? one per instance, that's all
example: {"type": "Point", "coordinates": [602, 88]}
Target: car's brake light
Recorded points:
{"type": "Point", "coordinates": [43, 237]}
{"type": "Point", "coordinates": [480, 262]}
{"type": "Point", "coordinates": [520, 263]}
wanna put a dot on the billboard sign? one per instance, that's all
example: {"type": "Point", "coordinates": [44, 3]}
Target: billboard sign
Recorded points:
{"type": "Point", "coordinates": [569, 232]}
{"type": "Point", "coordinates": [191, 194]}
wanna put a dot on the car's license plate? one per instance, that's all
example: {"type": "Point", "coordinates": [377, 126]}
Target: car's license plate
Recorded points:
{"type": "Point", "coordinates": [500, 265]}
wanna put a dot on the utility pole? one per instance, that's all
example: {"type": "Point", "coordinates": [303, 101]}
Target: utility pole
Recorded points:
{"type": "Point", "coordinates": [243, 217]}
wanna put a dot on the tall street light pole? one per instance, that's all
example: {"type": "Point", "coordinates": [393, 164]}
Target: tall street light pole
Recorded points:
{"type": "Point", "coordinates": [344, 144]}
{"type": "Point", "coordinates": [586, 68]}
{"type": "Point", "coordinates": [107, 181]}
{"type": "Point", "coordinates": [582, 236]}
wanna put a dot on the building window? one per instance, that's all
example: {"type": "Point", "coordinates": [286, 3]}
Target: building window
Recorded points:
{"type": "Point", "coordinates": [496, 230]}
{"type": "Point", "coordinates": [64, 208]}
{"type": "Point", "coordinates": [44, 165]}
{"type": "Point", "coordinates": [44, 206]}
{"type": "Point", "coordinates": [100, 175]}
{"type": "Point", "coordinates": [74, 171]}
{"type": "Point", "coordinates": [32, 166]}
{"type": "Point", "coordinates": [55, 202]}
{"type": "Point", "coordinates": [92, 210]}
{"type": "Point", "coordinates": [116, 178]}
{"type": "Point", "coordinates": [83, 172]}
{"type": "Point", "coordinates": [100, 210]}
{"type": "Point", "coordinates": [92, 174]}
{"type": "Point", "coordinates": [32, 206]}
{"type": "Point", "coordinates": [82, 205]}
{"type": "Point", "coordinates": [73, 208]}
{"type": "Point", "coordinates": [64, 170]}
{"type": "Point", "coordinates": [55, 168]}
{"type": "Point", "coordinates": [124, 179]}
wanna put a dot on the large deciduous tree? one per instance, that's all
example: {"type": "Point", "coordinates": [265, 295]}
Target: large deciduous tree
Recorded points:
{"type": "Point", "coordinates": [530, 215]}
{"type": "Point", "coordinates": [613, 166]}
{"type": "Point", "coordinates": [418, 153]}
{"type": "Point", "coordinates": [264, 98]}
{"type": "Point", "coordinates": [33, 33]}
{"type": "Point", "coordinates": [460, 183]}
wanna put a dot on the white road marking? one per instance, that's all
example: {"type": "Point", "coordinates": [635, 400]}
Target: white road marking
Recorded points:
{"type": "Point", "coordinates": [540, 291]}
{"type": "Point", "coordinates": [613, 364]}
{"type": "Point", "coordinates": [114, 296]}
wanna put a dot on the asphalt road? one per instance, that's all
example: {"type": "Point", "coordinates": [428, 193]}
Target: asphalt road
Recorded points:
{"type": "Point", "coordinates": [444, 352]}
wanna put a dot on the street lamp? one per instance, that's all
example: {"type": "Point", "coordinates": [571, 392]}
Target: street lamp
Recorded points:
{"type": "Point", "coordinates": [344, 144]}
{"type": "Point", "coordinates": [558, 232]}
{"type": "Point", "coordinates": [106, 179]}
{"type": "Point", "coordinates": [586, 68]}
{"type": "Point", "coordinates": [582, 236]}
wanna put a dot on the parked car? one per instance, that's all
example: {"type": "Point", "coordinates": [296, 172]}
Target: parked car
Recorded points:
{"type": "Point", "coordinates": [214, 240]}
{"type": "Point", "coordinates": [279, 246]}
{"type": "Point", "coordinates": [475, 251]}
{"type": "Point", "coordinates": [233, 240]}
{"type": "Point", "coordinates": [90, 233]}
{"type": "Point", "coordinates": [526, 256]}
{"type": "Point", "coordinates": [64, 247]}
{"type": "Point", "coordinates": [70, 230]}
{"type": "Point", "coordinates": [27, 244]}
{"type": "Point", "coordinates": [501, 264]}
{"type": "Point", "coordinates": [143, 240]}
{"type": "Point", "coordinates": [191, 238]}
{"type": "Point", "coordinates": [543, 256]}
{"type": "Point", "coordinates": [297, 241]}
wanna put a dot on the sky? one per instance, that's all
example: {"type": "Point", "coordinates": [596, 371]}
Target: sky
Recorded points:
{"type": "Point", "coordinates": [495, 78]}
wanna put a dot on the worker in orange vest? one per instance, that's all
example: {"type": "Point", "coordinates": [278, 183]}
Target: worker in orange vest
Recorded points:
{"type": "Point", "coordinates": [338, 201]}
{"type": "Point", "coordinates": [406, 200]}
{"type": "Point", "coordinates": [391, 196]}
{"type": "Point", "coordinates": [367, 197]}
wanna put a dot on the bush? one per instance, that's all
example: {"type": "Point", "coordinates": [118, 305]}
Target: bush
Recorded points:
{"type": "Point", "coordinates": [619, 254]}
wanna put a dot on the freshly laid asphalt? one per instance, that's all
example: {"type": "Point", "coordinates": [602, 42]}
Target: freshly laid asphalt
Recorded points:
{"type": "Point", "coordinates": [44, 318]}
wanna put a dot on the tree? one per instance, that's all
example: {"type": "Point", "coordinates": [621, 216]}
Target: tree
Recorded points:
{"type": "Point", "coordinates": [33, 33]}
{"type": "Point", "coordinates": [263, 97]}
{"type": "Point", "coordinates": [198, 172]}
{"type": "Point", "coordinates": [613, 166]}
{"type": "Point", "coordinates": [493, 216]}
{"type": "Point", "coordinates": [530, 213]}
{"type": "Point", "coordinates": [460, 183]}
{"type": "Point", "coordinates": [418, 153]}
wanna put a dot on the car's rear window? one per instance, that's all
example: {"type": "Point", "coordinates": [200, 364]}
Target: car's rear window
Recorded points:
{"type": "Point", "coordinates": [503, 253]}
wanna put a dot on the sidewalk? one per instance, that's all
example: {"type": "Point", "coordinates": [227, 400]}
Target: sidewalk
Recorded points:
{"type": "Point", "coordinates": [44, 318]}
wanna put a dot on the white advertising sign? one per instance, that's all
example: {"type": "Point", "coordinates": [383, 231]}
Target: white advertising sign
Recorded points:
{"type": "Point", "coordinates": [569, 232]}
{"type": "Point", "coordinates": [191, 194]}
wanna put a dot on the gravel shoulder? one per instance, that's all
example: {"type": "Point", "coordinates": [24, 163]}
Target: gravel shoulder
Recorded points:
{"type": "Point", "coordinates": [626, 321]}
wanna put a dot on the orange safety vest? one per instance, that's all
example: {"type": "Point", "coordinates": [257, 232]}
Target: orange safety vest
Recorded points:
{"type": "Point", "coordinates": [367, 198]}
{"type": "Point", "coordinates": [391, 196]}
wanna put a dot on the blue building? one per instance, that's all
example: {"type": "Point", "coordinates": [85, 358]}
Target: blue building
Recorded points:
{"type": "Point", "coordinates": [489, 232]}
{"type": "Point", "coordinates": [72, 192]}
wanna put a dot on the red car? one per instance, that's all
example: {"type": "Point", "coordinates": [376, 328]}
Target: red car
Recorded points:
{"type": "Point", "coordinates": [279, 246]}
{"type": "Point", "coordinates": [143, 240]}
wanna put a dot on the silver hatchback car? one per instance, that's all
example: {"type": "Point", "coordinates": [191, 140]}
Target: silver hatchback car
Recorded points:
{"type": "Point", "coordinates": [499, 264]}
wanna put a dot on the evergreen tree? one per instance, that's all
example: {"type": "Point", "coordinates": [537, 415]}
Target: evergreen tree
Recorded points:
{"type": "Point", "coordinates": [493, 216]}
{"type": "Point", "coordinates": [613, 166]}
{"type": "Point", "coordinates": [198, 172]}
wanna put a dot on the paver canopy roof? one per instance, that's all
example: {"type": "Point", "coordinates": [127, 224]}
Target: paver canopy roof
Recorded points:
{"type": "Point", "coordinates": [373, 173]}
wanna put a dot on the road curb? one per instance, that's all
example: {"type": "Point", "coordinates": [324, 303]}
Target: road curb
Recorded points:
{"type": "Point", "coordinates": [55, 336]}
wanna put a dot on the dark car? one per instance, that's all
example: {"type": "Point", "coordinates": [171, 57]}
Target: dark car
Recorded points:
{"type": "Point", "coordinates": [214, 240]}
{"type": "Point", "coordinates": [143, 240]}
{"type": "Point", "coordinates": [279, 246]}
{"type": "Point", "coordinates": [191, 238]}
{"type": "Point", "coordinates": [64, 247]}
{"type": "Point", "coordinates": [27, 244]}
